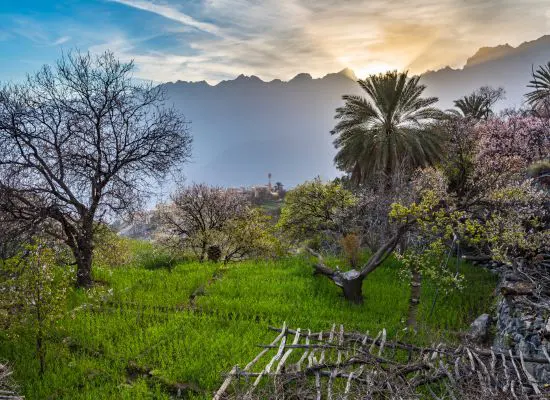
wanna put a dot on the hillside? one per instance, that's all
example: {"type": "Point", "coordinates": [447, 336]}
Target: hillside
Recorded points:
{"type": "Point", "coordinates": [160, 330]}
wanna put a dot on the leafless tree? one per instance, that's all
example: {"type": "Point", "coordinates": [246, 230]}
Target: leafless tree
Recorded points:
{"type": "Point", "coordinates": [13, 233]}
{"type": "Point", "coordinates": [81, 140]}
{"type": "Point", "coordinates": [198, 213]}
{"type": "Point", "coordinates": [351, 281]}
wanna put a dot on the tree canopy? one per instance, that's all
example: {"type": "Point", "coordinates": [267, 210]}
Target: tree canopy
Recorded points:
{"type": "Point", "coordinates": [392, 126]}
{"type": "Point", "coordinates": [81, 140]}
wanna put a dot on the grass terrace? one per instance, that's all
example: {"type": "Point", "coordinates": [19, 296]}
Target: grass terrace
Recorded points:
{"type": "Point", "coordinates": [148, 331]}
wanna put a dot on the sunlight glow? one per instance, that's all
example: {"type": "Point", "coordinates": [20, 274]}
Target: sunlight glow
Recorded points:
{"type": "Point", "coordinates": [373, 68]}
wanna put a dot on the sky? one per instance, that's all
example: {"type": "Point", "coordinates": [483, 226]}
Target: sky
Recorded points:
{"type": "Point", "coordinates": [213, 40]}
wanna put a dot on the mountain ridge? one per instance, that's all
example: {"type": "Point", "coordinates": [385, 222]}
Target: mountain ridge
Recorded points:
{"type": "Point", "coordinates": [245, 128]}
{"type": "Point", "coordinates": [482, 55]}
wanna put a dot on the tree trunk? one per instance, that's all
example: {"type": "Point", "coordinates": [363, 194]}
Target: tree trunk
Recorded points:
{"type": "Point", "coordinates": [353, 290]}
{"type": "Point", "coordinates": [414, 301]}
{"type": "Point", "coordinates": [40, 353]}
{"type": "Point", "coordinates": [84, 271]}
{"type": "Point", "coordinates": [83, 254]}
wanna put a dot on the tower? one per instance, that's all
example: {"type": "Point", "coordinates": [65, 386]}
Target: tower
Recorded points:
{"type": "Point", "coordinates": [269, 181]}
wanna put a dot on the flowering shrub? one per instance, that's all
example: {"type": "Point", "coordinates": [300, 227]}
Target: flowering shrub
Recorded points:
{"type": "Point", "coordinates": [497, 209]}
{"type": "Point", "coordinates": [510, 145]}
{"type": "Point", "coordinates": [33, 290]}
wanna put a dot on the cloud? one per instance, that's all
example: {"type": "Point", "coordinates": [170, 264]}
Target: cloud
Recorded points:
{"type": "Point", "coordinates": [278, 39]}
{"type": "Point", "coordinates": [61, 40]}
{"type": "Point", "coordinates": [171, 13]}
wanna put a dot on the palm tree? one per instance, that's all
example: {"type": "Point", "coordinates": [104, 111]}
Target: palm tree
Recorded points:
{"type": "Point", "coordinates": [391, 127]}
{"type": "Point", "coordinates": [473, 106]}
{"type": "Point", "coordinates": [540, 96]}
{"type": "Point", "coordinates": [479, 104]}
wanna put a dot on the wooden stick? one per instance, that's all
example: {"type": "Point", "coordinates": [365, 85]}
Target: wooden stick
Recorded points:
{"type": "Point", "coordinates": [287, 354]}
{"type": "Point", "coordinates": [225, 384]}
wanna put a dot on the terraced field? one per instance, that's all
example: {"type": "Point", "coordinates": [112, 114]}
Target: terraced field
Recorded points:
{"type": "Point", "coordinates": [154, 332]}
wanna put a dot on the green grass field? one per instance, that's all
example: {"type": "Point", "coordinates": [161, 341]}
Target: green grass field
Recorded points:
{"type": "Point", "coordinates": [193, 322]}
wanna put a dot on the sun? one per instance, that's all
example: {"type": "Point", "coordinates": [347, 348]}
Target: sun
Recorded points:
{"type": "Point", "coordinates": [364, 67]}
{"type": "Point", "coordinates": [371, 68]}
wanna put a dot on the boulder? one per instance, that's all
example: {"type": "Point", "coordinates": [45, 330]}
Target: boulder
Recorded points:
{"type": "Point", "coordinates": [479, 329]}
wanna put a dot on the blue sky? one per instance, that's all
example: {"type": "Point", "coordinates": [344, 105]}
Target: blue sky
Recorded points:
{"type": "Point", "coordinates": [220, 39]}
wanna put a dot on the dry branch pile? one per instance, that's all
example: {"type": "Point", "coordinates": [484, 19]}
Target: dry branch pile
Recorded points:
{"type": "Point", "coordinates": [341, 365]}
{"type": "Point", "coordinates": [7, 389]}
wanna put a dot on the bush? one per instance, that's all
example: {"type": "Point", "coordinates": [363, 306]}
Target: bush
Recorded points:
{"type": "Point", "coordinates": [110, 249]}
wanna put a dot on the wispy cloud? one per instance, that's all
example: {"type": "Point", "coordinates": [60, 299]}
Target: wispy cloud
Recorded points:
{"type": "Point", "coordinates": [219, 39]}
{"type": "Point", "coordinates": [61, 40]}
{"type": "Point", "coordinates": [171, 12]}
{"type": "Point", "coordinates": [277, 39]}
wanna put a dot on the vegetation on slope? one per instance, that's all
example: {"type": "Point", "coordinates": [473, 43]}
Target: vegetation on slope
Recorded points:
{"type": "Point", "coordinates": [146, 332]}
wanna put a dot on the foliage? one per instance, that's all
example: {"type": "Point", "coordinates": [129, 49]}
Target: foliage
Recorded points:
{"type": "Point", "coordinates": [80, 140]}
{"type": "Point", "coordinates": [458, 164]}
{"type": "Point", "coordinates": [249, 235]}
{"type": "Point", "coordinates": [508, 209]}
{"type": "Point", "coordinates": [487, 197]}
{"type": "Point", "coordinates": [430, 243]}
{"type": "Point", "coordinates": [540, 172]}
{"type": "Point", "coordinates": [201, 217]}
{"type": "Point", "coordinates": [507, 221]}
{"type": "Point", "coordinates": [508, 145]}
{"type": "Point", "coordinates": [390, 127]}
{"type": "Point", "coordinates": [479, 104]}
{"type": "Point", "coordinates": [315, 210]}
{"type": "Point", "coordinates": [110, 250]}
{"type": "Point", "coordinates": [485, 155]}
{"type": "Point", "coordinates": [538, 98]}
{"type": "Point", "coordinates": [32, 294]}
{"type": "Point", "coordinates": [431, 261]}
{"type": "Point", "coordinates": [351, 246]}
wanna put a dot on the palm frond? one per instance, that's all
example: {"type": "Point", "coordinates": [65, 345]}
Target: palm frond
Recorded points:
{"type": "Point", "coordinates": [541, 85]}
{"type": "Point", "coordinates": [389, 127]}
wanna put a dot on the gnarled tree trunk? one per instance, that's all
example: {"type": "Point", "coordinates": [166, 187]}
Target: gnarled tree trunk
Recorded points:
{"type": "Point", "coordinates": [352, 286]}
{"type": "Point", "coordinates": [351, 281]}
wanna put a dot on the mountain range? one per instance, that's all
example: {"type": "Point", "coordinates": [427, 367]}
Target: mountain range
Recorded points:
{"type": "Point", "coordinates": [245, 128]}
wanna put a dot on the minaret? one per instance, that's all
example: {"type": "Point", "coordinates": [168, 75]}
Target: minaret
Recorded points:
{"type": "Point", "coordinates": [269, 181]}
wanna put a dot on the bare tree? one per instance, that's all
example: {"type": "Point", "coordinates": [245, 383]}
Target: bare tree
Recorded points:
{"type": "Point", "coordinates": [198, 213]}
{"type": "Point", "coordinates": [13, 233]}
{"type": "Point", "coordinates": [81, 140]}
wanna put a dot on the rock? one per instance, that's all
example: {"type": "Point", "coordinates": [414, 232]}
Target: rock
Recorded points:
{"type": "Point", "coordinates": [479, 329]}
{"type": "Point", "coordinates": [516, 288]}
{"type": "Point", "coordinates": [542, 373]}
